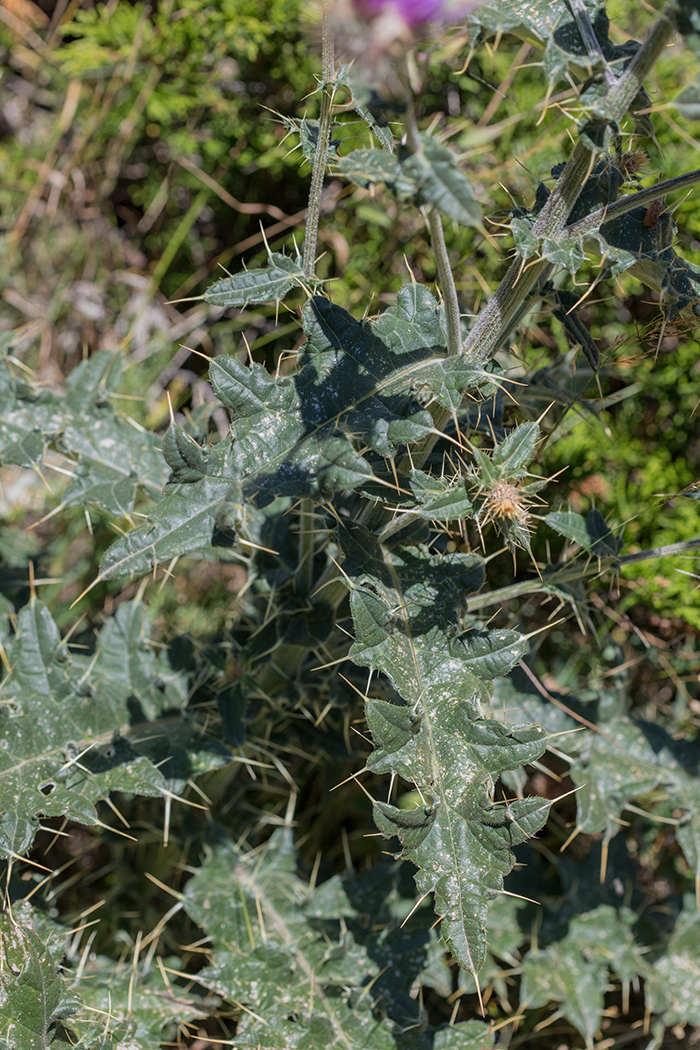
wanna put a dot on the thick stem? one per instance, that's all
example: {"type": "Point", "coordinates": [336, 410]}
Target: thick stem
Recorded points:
{"type": "Point", "coordinates": [496, 318]}
{"type": "Point", "coordinates": [318, 173]}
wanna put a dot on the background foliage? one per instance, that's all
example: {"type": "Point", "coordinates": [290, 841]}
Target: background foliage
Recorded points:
{"type": "Point", "coordinates": [188, 853]}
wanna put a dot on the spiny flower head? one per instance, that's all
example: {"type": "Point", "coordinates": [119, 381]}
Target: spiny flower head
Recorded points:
{"type": "Point", "coordinates": [506, 500]}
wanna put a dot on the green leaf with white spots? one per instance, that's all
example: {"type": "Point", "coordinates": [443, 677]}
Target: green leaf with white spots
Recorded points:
{"type": "Point", "coordinates": [405, 605]}
{"type": "Point", "coordinates": [74, 728]}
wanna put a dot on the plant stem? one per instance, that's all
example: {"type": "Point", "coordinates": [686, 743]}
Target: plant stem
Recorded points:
{"type": "Point", "coordinates": [306, 512]}
{"type": "Point", "coordinates": [594, 219]}
{"type": "Point", "coordinates": [550, 584]}
{"type": "Point", "coordinates": [318, 172]}
{"type": "Point", "coordinates": [520, 280]}
{"type": "Point", "coordinates": [446, 279]}
{"type": "Point", "coordinates": [447, 284]}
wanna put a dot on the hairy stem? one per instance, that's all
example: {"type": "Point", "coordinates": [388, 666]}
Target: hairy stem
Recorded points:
{"type": "Point", "coordinates": [318, 173]}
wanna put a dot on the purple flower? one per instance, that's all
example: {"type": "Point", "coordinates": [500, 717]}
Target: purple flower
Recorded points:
{"type": "Point", "coordinates": [414, 13]}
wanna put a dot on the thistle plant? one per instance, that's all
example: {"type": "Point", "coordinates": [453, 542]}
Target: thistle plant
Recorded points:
{"type": "Point", "coordinates": [366, 486]}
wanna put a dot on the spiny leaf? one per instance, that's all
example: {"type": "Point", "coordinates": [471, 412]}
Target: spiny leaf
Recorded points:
{"type": "Point", "coordinates": [275, 942]}
{"type": "Point", "coordinates": [440, 499]}
{"type": "Point", "coordinates": [128, 1007]}
{"type": "Point", "coordinates": [280, 274]}
{"type": "Point", "coordinates": [430, 175]}
{"type": "Point", "coordinates": [112, 458]}
{"type": "Point", "coordinates": [441, 183]}
{"type": "Point", "coordinates": [367, 166]}
{"type": "Point", "coordinates": [625, 760]}
{"type": "Point", "coordinates": [33, 996]}
{"type": "Point", "coordinates": [189, 518]}
{"type": "Point", "coordinates": [302, 435]}
{"type": "Point", "coordinates": [574, 970]}
{"type": "Point", "coordinates": [592, 532]}
{"type": "Point", "coordinates": [63, 751]}
{"type": "Point", "coordinates": [533, 20]}
{"type": "Point", "coordinates": [672, 985]}
{"type": "Point", "coordinates": [404, 605]}
{"type": "Point", "coordinates": [514, 453]}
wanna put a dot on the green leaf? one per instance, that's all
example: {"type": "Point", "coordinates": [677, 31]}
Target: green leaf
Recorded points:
{"type": "Point", "coordinates": [672, 986]}
{"type": "Point", "coordinates": [112, 458]}
{"type": "Point", "coordinates": [430, 175]}
{"type": "Point", "coordinates": [648, 253]}
{"type": "Point", "coordinates": [371, 166]}
{"type": "Point", "coordinates": [373, 118]}
{"type": "Point", "coordinates": [533, 20]}
{"type": "Point", "coordinates": [626, 759]}
{"type": "Point", "coordinates": [441, 183]}
{"type": "Point", "coordinates": [275, 941]}
{"type": "Point", "coordinates": [592, 533]}
{"type": "Point", "coordinates": [574, 970]}
{"type": "Point", "coordinates": [461, 842]}
{"type": "Point", "coordinates": [280, 274]}
{"type": "Point", "coordinates": [514, 454]}
{"type": "Point", "coordinates": [131, 1007]}
{"type": "Point", "coordinates": [307, 132]}
{"type": "Point", "coordinates": [440, 499]}
{"type": "Point", "coordinates": [61, 750]}
{"type": "Point", "coordinates": [688, 102]}
{"type": "Point", "coordinates": [492, 653]}
{"type": "Point", "coordinates": [405, 604]}
{"type": "Point", "coordinates": [33, 996]}
{"type": "Point", "coordinates": [193, 515]}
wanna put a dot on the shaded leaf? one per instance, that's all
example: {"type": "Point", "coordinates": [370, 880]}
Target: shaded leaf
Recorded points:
{"type": "Point", "coordinates": [274, 941]}
{"type": "Point", "coordinates": [573, 972]}
{"type": "Point", "coordinates": [358, 388]}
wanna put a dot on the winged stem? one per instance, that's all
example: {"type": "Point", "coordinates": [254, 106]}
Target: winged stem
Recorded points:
{"type": "Point", "coordinates": [519, 281]}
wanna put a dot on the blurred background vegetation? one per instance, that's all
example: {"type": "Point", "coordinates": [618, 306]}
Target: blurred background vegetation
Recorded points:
{"type": "Point", "coordinates": [142, 148]}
